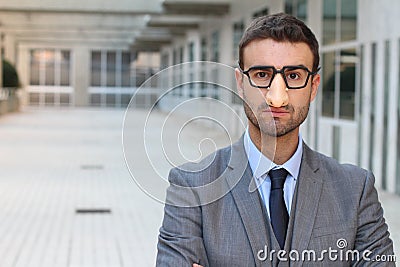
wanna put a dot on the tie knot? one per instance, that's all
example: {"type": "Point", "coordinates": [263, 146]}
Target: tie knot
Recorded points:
{"type": "Point", "coordinates": [278, 178]}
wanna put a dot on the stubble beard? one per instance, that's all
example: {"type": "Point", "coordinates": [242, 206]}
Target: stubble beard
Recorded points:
{"type": "Point", "coordinates": [274, 127]}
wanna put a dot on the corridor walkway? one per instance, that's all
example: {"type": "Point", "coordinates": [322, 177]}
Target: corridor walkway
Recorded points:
{"type": "Point", "coordinates": [68, 199]}
{"type": "Point", "coordinates": [58, 166]}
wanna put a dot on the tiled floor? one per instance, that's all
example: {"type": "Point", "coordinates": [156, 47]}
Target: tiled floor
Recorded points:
{"type": "Point", "coordinates": [55, 161]}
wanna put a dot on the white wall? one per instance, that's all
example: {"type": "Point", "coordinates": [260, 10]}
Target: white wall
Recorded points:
{"type": "Point", "coordinates": [378, 19]}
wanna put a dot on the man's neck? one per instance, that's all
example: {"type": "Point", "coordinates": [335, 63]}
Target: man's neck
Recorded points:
{"type": "Point", "coordinates": [277, 149]}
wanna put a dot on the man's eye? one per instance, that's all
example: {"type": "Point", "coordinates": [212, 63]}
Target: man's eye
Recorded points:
{"type": "Point", "coordinates": [261, 74]}
{"type": "Point", "coordinates": [293, 76]}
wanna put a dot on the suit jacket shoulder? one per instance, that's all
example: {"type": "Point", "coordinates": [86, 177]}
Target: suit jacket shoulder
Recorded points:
{"type": "Point", "coordinates": [203, 172]}
{"type": "Point", "coordinates": [197, 184]}
{"type": "Point", "coordinates": [346, 177]}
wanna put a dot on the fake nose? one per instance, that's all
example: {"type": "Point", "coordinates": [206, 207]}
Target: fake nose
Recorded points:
{"type": "Point", "coordinates": [277, 94]}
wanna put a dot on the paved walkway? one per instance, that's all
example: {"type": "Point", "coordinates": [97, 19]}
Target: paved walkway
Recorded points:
{"type": "Point", "coordinates": [67, 198]}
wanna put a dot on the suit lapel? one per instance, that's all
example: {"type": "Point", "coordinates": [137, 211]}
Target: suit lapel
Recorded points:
{"type": "Point", "coordinates": [247, 200]}
{"type": "Point", "coordinates": [308, 193]}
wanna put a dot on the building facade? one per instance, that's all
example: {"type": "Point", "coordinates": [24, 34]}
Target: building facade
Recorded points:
{"type": "Point", "coordinates": [357, 113]}
{"type": "Point", "coordinates": [70, 53]}
{"type": "Point", "coordinates": [97, 53]}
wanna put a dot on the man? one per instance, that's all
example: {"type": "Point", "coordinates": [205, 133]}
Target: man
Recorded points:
{"type": "Point", "coordinates": [285, 204]}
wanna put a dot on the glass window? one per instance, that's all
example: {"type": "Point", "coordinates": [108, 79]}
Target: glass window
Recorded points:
{"type": "Point", "coordinates": [111, 68]}
{"type": "Point", "coordinates": [329, 21]}
{"type": "Point", "coordinates": [49, 66]}
{"type": "Point", "coordinates": [125, 69]}
{"type": "Point", "coordinates": [113, 73]}
{"type": "Point", "coordinates": [339, 21]}
{"type": "Point", "coordinates": [260, 13]}
{"type": "Point", "coordinates": [164, 60]}
{"type": "Point", "coordinates": [191, 51]}
{"type": "Point", "coordinates": [297, 8]}
{"type": "Point", "coordinates": [204, 49]}
{"type": "Point", "coordinates": [348, 61]}
{"type": "Point", "coordinates": [215, 86]}
{"type": "Point", "coordinates": [175, 72]}
{"type": "Point", "coordinates": [65, 99]}
{"type": "Point", "coordinates": [289, 7]}
{"type": "Point", "coordinates": [34, 99]}
{"type": "Point", "coordinates": [35, 67]}
{"type": "Point", "coordinates": [65, 66]}
{"type": "Point", "coordinates": [174, 57]}
{"type": "Point", "coordinates": [181, 54]}
{"type": "Point", "coordinates": [238, 29]}
{"type": "Point", "coordinates": [203, 83]}
{"type": "Point", "coordinates": [96, 68]}
{"type": "Point", "coordinates": [339, 84]}
{"type": "Point", "coordinates": [328, 93]}
{"type": "Point", "coordinates": [203, 71]}
{"type": "Point", "coordinates": [215, 46]}
{"type": "Point", "coordinates": [180, 89]}
{"type": "Point", "coordinates": [348, 22]}
{"type": "Point", "coordinates": [191, 71]}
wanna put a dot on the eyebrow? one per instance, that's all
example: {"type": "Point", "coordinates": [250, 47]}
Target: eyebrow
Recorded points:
{"type": "Point", "coordinates": [269, 66]}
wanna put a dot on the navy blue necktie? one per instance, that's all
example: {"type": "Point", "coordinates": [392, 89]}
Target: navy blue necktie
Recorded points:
{"type": "Point", "coordinates": [277, 208]}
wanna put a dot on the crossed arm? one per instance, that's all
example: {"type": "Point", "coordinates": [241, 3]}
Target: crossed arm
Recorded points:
{"type": "Point", "coordinates": [180, 241]}
{"type": "Point", "coordinates": [372, 231]}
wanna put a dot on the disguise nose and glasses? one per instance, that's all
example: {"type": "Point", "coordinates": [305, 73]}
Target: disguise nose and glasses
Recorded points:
{"type": "Point", "coordinates": [295, 77]}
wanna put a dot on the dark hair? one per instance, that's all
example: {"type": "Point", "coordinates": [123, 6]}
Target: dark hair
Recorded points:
{"type": "Point", "coordinates": [280, 27]}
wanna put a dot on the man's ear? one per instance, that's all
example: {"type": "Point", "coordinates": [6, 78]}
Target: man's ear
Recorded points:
{"type": "Point", "coordinates": [239, 82]}
{"type": "Point", "coordinates": [314, 86]}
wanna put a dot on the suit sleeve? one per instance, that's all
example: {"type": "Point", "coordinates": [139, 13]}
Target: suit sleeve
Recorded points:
{"type": "Point", "coordinates": [180, 241]}
{"type": "Point", "coordinates": [372, 235]}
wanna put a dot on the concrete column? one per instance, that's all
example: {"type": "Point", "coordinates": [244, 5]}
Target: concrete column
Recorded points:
{"type": "Point", "coordinates": [314, 21]}
{"type": "Point", "coordinates": [9, 48]}
{"type": "Point", "coordinates": [379, 114]}
{"type": "Point", "coordinates": [23, 68]}
{"type": "Point", "coordinates": [226, 51]}
{"type": "Point", "coordinates": [392, 117]}
{"type": "Point", "coordinates": [81, 75]}
{"type": "Point", "coordinates": [366, 106]}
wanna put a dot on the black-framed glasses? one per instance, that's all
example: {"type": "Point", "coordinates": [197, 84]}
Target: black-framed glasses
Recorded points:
{"type": "Point", "coordinates": [295, 77]}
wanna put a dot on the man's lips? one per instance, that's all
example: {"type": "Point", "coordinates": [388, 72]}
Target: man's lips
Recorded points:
{"type": "Point", "coordinates": [276, 112]}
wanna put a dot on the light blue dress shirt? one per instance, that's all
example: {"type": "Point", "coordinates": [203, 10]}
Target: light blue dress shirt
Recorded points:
{"type": "Point", "coordinates": [261, 165]}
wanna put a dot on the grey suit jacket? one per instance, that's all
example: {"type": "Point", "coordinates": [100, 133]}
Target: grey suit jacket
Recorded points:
{"type": "Point", "coordinates": [335, 208]}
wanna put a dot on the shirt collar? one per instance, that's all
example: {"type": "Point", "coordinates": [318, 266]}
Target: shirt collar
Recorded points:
{"type": "Point", "coordinates": [260, 164]}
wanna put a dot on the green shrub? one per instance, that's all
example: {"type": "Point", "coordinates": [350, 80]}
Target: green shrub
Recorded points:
{"type": "Point", "coordinates": [10, 75]}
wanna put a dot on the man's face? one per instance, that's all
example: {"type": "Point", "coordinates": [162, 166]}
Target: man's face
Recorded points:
{"type": "Point", "coordinates": [276, 111]}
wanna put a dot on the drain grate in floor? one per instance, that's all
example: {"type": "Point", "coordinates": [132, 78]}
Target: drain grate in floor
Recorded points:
{"type": "Point", "coordinates": [93, 211]}
{"type": "Point", "coordinates": [92, 167]}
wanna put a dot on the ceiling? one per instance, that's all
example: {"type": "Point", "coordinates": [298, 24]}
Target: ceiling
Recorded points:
{"type": "Point", "coordinates": [136, 24]}
{"type": "Point", "coordinates": [176, 18]}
